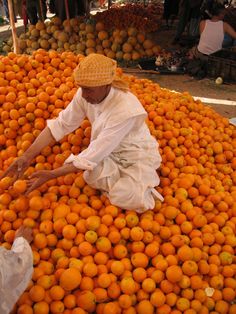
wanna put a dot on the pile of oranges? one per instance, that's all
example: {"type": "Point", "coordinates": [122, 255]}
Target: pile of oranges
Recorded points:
{"type": "Point", "coordinates": [93, 257]}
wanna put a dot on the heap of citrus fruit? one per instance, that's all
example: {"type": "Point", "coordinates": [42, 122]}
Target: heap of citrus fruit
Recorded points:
{"type": "Point", "coordinates": [92, 257]}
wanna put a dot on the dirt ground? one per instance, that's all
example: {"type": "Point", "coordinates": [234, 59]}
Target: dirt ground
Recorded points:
{"type": "Point", "coordinates": [201, 88]}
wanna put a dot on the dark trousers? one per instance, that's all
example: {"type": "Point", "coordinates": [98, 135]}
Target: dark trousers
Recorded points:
{"type": "Point", "coordinates": [60, 9]}
{"type": "Point", "coordinates": [34, 11]}
{"type": "Point", "coordinates": [6, 10]}
{"type": "Point", "coordinates": [184, 14]}
{"type": "Point", "coordinates": [5, 7]}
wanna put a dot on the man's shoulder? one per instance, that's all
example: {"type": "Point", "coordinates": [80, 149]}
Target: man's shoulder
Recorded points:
{"type": "Point", "coordinates": [127, 102]}
{"type": "Point", "coordinates": [125, 96]}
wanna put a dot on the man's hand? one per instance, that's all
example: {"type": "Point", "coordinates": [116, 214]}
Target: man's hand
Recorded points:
{"type": "Point", "coordinates": [38, 178]}
{"type": "Point", "coordinates": [17, 168]}
{"type": "Point", "coordinates": [24, 232]}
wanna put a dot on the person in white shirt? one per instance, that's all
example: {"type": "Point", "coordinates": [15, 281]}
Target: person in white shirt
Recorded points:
{"type": "Point", "coordinates": [212, 33]}
{"type": "Point", "coordinates": [16, 268]}
{"type": "Point", "coordinates": [122, 157]}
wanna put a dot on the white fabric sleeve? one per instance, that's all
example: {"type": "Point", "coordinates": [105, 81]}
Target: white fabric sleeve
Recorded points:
{"type": "Point", "coordinates": [102, 146]}
{"type": "Point", "coordinates": [16, 268]}
{"type": "Point", "coordinates": [69, 119]}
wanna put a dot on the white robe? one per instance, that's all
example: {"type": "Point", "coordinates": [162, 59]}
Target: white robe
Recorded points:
{"type": "Point", "coordinates": [16, 268]}
{"type": "Point", "coordinates": [122, 157]}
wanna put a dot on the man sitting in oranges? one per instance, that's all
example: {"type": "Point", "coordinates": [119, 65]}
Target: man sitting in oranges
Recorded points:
{"type": "Point", "coordinates": [122, 157]}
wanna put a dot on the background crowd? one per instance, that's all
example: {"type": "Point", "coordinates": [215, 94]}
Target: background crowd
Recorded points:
{"type": "Point", "coordinates": [188, 14]}
{"type": "Point", "coordinates": [34, 10]}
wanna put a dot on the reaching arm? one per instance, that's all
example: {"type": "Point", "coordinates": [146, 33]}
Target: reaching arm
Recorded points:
{"type": "Point", "coordinates": [229, 30]}
{"type": "Point", "coordinates": [67, 121]}
{"type": "Point", "coordinates": [40, 177]}
{"type": "Point", "coordinates": [102, 146]}
{"type": "Point", "coordinates": [44, 139]}
{"type": "Point", "coordinates": [98, 149]}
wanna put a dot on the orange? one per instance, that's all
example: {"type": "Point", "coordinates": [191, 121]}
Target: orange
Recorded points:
{"type": "Point", "coordinates": [174, 273]}
{"type": "Point", "coordinates": [148, 285]}
{"type": "Point", "coordinates": [57, 293]}
{"type": "Point", "coordinates": [182, 304]}
{"type": "Point", "coordinates": [69, 232]}
{"type": "Point", "coordinates": [127, 285]}
{"type": "Point", "coordinates": [157, 298]}
{"type": "Point", "coordinates": [70, 279]}
{"type": "Point", "coordinates": [86, 300]}
{"type": "Point", "coordinates": [185, 253]}
{"type": "Point", "coordinates": [139, 260]}
{"type": "Point", "coordinates": [120, 251]}
{"type": "Point", "coordinates": [117, 268]}
{"type": "Point", "coordinates": [25, 309]}
{"type": "Point", "coordinates": [40, 240]}
{"type": "Point", "coordinates": [103, 244]}
{"type": "Point", "coordinates": [45, 281]}
{"type": "Point", "coordinates": [125, 301]}
{"type": "Point", "coordinates": [145, 307]}
{"type": "Point", "coordinates": [90, 269]}
{"type": "Point", "coordinates": [189, 268]}
{"type": "Point", "coordinates": [70, 301]}
{"type": "Point", "coordinates": [37, 293]}
{"type": "Point", "coordinates": [36, 203]}
{"type": "Point", "coordinates": [56, 307]}
{"type": "Point", "coordinates": [85, 248]}
{"type": "Point", "coordinates": [41, 307]}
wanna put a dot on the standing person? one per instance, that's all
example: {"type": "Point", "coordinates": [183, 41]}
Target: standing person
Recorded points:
{"type": "Point", "coordinates": [122, 157]}
{"type": "Point", "coordinates": [16, 268]}
{"type": "Point", "coordinates": [188, 9]}
{"type": "Point", "coordinates": [184, 13]}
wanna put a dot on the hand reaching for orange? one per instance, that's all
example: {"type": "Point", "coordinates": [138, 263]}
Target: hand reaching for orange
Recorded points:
{"type": "Point", "coordinates": [38, 178]}
{"type": "Point", "coordinates": [17, 168]}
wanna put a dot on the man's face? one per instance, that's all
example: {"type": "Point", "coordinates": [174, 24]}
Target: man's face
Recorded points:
{"type": "Point", "coordinates": [95, 95]}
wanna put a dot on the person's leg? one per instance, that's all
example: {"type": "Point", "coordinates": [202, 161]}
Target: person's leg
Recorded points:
{"type": "Point", "coordinates": [183, 19]}
{"type": "Point", "coordinates": [60, 9]}
{"type": "Point", "coordinates": [31, 7]}
{"type": "Point", "coordinates": [80, 7]}
{"type": "Point", "coordinates": [130, 194]}
{"type": "Point", "coordinates": [104, 176]}
{"type": "Point", "coordinates": [42, 9]}
{"type": "Point", "coordinates": [6, 10]}
{"type": "Point", "coordinates": [45, 9]}
{"type": "Point", "coordinates": [72, 8]}
{"type": "Point", "coordinates": [136, 188]}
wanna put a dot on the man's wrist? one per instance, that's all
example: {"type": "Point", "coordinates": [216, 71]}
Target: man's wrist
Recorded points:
{"type": "Point", "coordinates": [63, 170]}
